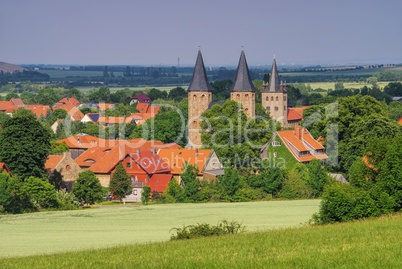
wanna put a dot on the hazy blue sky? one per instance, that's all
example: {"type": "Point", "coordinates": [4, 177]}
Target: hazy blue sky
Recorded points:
{"type": "Point", "coordinates": [154, 32]}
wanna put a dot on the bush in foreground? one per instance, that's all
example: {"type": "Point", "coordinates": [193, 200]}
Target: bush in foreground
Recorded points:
{"type": "Point", "coordinates": [205, 229]}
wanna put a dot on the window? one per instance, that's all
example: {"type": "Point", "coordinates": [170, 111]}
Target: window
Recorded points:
{"type": "Point", "coordinates": [238, 96]}
{"type": "Point", "coordinates": [284, 107]}
{"type": "Point", "coordinates": [194, 97]}
{"type": "Point", "coordinates": [268, 108]}
{"type": "Point", "coordinates": [128, 164]}
{"type": "Point", "coordinates": [246, 97]}
{"type": "Point", "coordinates": [132, 178]}
{"type": "Point", "coordinates": [135, 191]}
{"type": "Point", "coordinates": [276, 108]}
{"type": "Point", "coordinates": [272, 98]}
{"type": "Point", "coordinates": [276, 143]}
{"type": "Point", "coordinates": [68, 167]}
{"type": "Point", "coordinates": [284, 98]}
{"type": "Point", "coordinates": [277, 98]}
{"type": "Point", "coordinates": [267, 98]}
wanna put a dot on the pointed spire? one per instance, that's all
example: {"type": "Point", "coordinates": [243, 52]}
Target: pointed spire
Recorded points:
{"type": "Point", "coordinates": [199, 81]}
{"type": "Point", "coordinates": [242, 81]}
{"type": "Point", "coordinates": [274, 83]}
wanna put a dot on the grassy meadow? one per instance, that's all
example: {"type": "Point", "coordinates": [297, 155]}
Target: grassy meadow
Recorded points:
{"type": "Point", "coordinates": [347, 85]}
{"type": "Point", "coordinates": [374, 243]}
{"type": "Point", "coordinates": [107, 226]}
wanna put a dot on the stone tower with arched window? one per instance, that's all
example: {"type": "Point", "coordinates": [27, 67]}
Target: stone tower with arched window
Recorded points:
{"type": "Point", "coordinates": [274, 97]}
{"type": "Point", "coordinates": [199, 98]}
{"type": "Point", "coordinates": [243, 90]}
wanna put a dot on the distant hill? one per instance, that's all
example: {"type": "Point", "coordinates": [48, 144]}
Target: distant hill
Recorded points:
{"type": "Point", "coordinates": [10, 68]}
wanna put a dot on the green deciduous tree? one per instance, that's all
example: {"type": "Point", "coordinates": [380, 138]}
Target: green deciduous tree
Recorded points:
{"type": "Point", "coordinates": [295, 184]}
{"type": "Point", "coordinates": [190, 181]}
{"type": "Point", "coordinates": [230, 181]}
{"type": "Point", "coordinates": [175, 191]}
{"type": "Point", "coordinates": [87, 188]}
{"type": "Point", "coordinates": [145, 195]}
{"type": "Point", "coordinates": [120, 185]}
{"type": "Point", "coordinates": [24, 145]}
{"type": "Point", "coordinates": [318, 177]}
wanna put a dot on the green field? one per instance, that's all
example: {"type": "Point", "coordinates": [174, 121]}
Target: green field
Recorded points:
{"type": "Point", "coordinates": [347, 85]}
{"type": "Point", "coordinates": [61, 231]}
{"type": "Point", "coordinates": [372, 243]}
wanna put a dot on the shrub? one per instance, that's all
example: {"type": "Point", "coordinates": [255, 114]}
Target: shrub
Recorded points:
{"type": "Point", "coordinates": [42, 193]}
{"type": "Point", "coordinates": [205, 229]}
{"type": "Point", "coordinates": [341, 202]}
{"type": "Point", "coordinates": [13, 197]}
{"type": "Point", "coordinates": [67, 200]}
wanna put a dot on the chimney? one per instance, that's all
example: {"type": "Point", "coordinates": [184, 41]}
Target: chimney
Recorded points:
{"type": "Point", "coordinates": [196, 152]}
{"type": "Point", "coordinates": [298, 132]}
{"type": "Point", "coordinates": [138, 152]}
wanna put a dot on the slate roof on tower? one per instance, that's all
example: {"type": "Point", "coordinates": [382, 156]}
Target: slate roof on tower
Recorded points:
{"type": "Point", "coordinates": [274, 83]}
{"type": "Point", "coordinates": [199, 81]}
{"type": "Point", "coordinates": [242, 81]}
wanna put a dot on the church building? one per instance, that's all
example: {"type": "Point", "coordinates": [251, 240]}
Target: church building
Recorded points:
{"type": "Point", "coordinates": [274, 97]}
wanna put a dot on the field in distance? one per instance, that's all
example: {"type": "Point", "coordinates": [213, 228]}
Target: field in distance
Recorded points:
{"type": "Point", "coordinates": [144, 89]}
{"type": "Point", "coordinates": [372, 243]}
{"type": "Point", "coordinates": [346, 85]}
{"type": "Point", "coordinates": [61, 231]}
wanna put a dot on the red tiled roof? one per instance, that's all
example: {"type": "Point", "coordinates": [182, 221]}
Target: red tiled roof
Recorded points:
{"type": "Point", "coordinates": [7, 107]}
{"type": "Point", "coordinates": [38, 110]}
{"type": "Point", "coordinates": [105, 163]}
{"type": "Point", "coordinates": [91, 156]}
{"type": "Point", "coordinates": [52, 162]}
{"type": "Point", "coordinates": [17, 102]}
{"type": "Point", "coordinates": [71, 110]}
{"type": "Point", "coordinates": [150, 162]}
{"type": "Point", "coordinates": [400, 120]}
{"type": "Point", "coordinates": [70, 101]}
{"type": "Point", "coordinates": [301, 140]}
{"type": "Point", "coordinates": [296, 113]}
{"type": "Point", "coordinates": [159, 182]}
{"type": "Point", "coordinates": [176, 158]}
{"type": "Point", "coordinates": [142, 107]}
{"type": "Point", "coordinates": [82, 141]}
{"type": "Point", "coordinates": [4, 168]}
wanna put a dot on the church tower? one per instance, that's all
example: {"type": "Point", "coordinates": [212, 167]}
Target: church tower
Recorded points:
{"type": "Point", "coordinates": [199, 98]}
{"type": "Point", "coordinates": [243, 90]}
{"type": "Point", "coordinates": [274, 97]}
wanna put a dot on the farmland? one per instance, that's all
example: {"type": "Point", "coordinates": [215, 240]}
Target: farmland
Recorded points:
{"type": "Point", "coordinates": [61, 231]}
{"type": "Point", "coordinates": [373, 243]}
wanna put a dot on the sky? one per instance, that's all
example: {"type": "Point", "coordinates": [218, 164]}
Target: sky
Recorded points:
{"type": "Point", "coordinates": [159, 32]}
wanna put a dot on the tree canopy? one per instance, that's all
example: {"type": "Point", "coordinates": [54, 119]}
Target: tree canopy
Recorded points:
{"type": "Point", "coordinates": [24, 145]}
{"type": "Point", "coordinates": [87, 188]}
{"type": "Point", "coordinates": [120, 184]}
